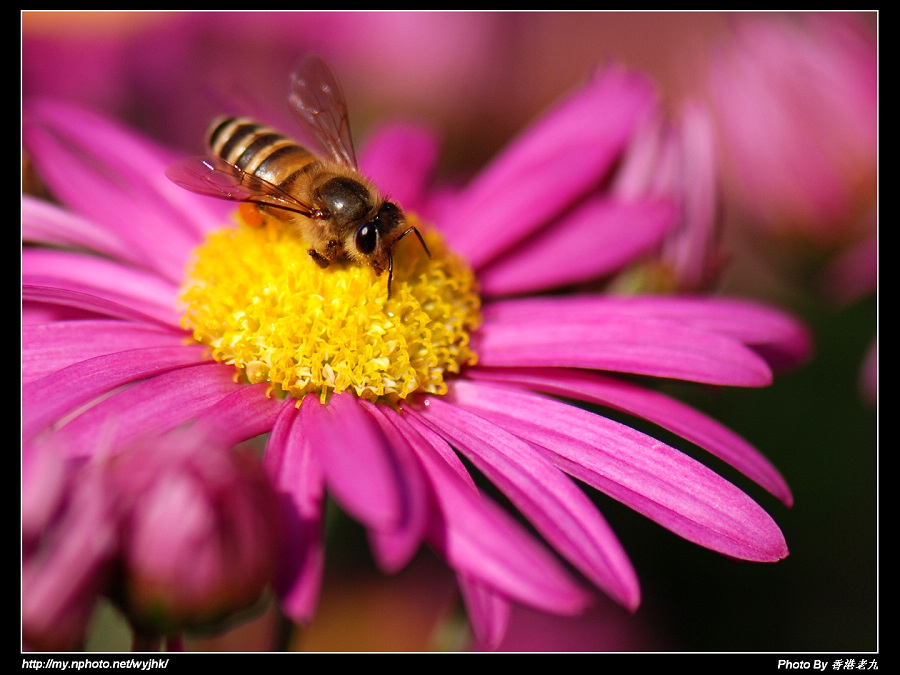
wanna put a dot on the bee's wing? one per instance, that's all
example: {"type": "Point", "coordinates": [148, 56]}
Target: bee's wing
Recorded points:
{"type": "Point", "coordinates": [317, 100]}
{"type": "Point", "coordinates": [214, 177]}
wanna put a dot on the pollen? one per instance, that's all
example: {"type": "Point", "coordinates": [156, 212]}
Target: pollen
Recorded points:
{"type": "Point", "coordinates": [256, 298]}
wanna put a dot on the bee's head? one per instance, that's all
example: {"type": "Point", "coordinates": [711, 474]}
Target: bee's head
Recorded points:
{"type": "Point", "coordinates": [376, 238]}
{"type": "Point", "coordinates": [366, 222]}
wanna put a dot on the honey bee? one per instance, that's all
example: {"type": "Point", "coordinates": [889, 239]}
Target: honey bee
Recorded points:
{"type": "Point", "coordinates": [338, 211]}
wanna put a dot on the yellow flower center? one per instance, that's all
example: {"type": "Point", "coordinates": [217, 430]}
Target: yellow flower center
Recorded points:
{"type": "Point", "coordinates": [259, 301]}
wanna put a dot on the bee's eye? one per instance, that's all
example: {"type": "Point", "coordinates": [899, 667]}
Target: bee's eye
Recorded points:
{"type": "Point", "coordinates": [367, 238]}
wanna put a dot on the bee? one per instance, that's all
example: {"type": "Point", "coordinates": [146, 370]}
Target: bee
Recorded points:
{"type": "Point", "coordinates": [339, 212]}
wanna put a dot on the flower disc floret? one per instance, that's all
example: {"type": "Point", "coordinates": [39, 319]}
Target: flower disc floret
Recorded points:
{"type": "Point", "coordinates": [259, 301]}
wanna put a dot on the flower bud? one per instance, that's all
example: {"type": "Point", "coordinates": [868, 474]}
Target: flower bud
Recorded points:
{"type": "Point", "coordinates": [199, 531]}
{"type": "Point", "coordinates": [67, 544]}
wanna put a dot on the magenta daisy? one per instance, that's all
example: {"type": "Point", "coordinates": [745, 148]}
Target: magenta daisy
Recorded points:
{"type": "Point", "coordinates": [145, 310]}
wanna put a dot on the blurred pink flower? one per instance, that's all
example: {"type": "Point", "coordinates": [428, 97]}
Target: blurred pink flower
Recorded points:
{"type": "Point", "coordinates": [602, 628]}
{"type": "Point", "coordinates": [849, 277]}
{"type": "Point", "coordinates": [852, 274]}
{"type": "Point", "coordinates": [168, 72]}
{"type": "Point", "coordinates": [68, 542]}
{"type": "Point", "coordinates": [103, 320]}
{"type": "Point", "coordinates": [198, 532]}
{"type": "Point", "coordinates": [676, 162]}
{"type": "Point", "coordinates": [796, 99]}
{"type": "Point", "coordinates": [868, 376]}
{"type": "Point", "coordinates": [179, 532]}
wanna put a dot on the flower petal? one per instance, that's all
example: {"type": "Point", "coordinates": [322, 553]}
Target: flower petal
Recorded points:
{"type": "Point", "coordinates": [399, 159]}
{"type": "Point", "coordinates": [53, 293]}
{"type": "Point", "coordinates": [395, 548]}
{"type": "Point", "coordinates": [49, 347]}
{"type": "Point", "coordinates": [576, 333]}
{"type": "Point", "coordinates": [359, 467]}
{"type": "Point", "coordinates": [654, 479]}
{"type": "Point", "coordinates": [777, 336]}
{"type": "Point", "coordinates": [667, 412]}
{"type": "Point", "coordinates": [47, 223]}
{"type": "Point", "coordinates": [297, 475]}
{"type": "Point", "coordinates": [599, 237]}
{"type": "Point", "coordinates": [67, 277]}
{"type": "Point", "coordinates": [36, 312]}
{"type": "Point", "coordinates": [488, 611]}
{"type": "Point", "coordinates": [481, 540]}
{"type": "Point", "coordinates": [557, 507]}
{"type": "Point", "coordinates": [62, 579]}
{"type": "Point", "coordinates": [152, 406]}
{"type": "Point", "coordinates": [547, 169]}
{"type": "Point", "coordinates": [106, 173]}
{"type": "Point", "coordinates": [243, 414]}
{"type": "Point", "coordinates": [48, 399]}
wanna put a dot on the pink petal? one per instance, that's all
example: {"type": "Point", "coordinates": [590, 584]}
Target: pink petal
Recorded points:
{"type": "Point", "coordinates": [87, 302]}
{"type": "Point", "coordinates": [46, 223]}
{"type": "Point", "coordinates": [49, 347]}
{"type": "Point", "coordinates": [488, 612]}
{"type": "Point", "coordinates": [62, 580]}
{"type": "Point", "coordinates": [297, 475]}
{"type": "Point", "coordinates": [35, 312]}
{"type": "Point", "coordinates": [107, 173]}
{"type": "Point", "coordinates": [47, 400]}
{"type": "Point", "coordinates": [775, 334]}
{"type": "Point", "coordinates": [650, 405]}
{"type": "Point", "coordinates": [393, 549]}
{"type": "Point", "coordinates": [400, 159]}
{"type": "Point", "coordinates": [693, 249]}
{"type": "Point", "coordinates": [241, 415]}
{"type": "Point", "coordinates": [599, 237]}
{"type": "Point", "coordinates": [559, 510]}
{"type": "Point", "coordinates": [359, 466]}
{"type": "Point", "coordinates": [63, 276]}
{"type": "Point", "coordinates": [652, 478]}
{"type": "Point", "coordinates": [752, 323]}
{"type": "Point", "coordinates": [44, 475]}
{"type": "Point", "coordinates": [556, 161]}
{"type": "Point", "coordinates": [481, 540]}
{"type": "Point", "coordinates": [154, 405]}
{"type": "Point", "coordinates": [574, 333]}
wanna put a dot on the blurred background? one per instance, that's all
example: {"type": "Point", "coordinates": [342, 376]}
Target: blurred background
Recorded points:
{"type": "Point", "coordinates": [794, 101]}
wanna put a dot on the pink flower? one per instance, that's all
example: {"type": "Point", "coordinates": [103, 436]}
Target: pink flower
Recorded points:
{"type": "Point", "coordinates": [851, 276]}
{"type": "Point", "coordinates": [796, 101]}
{"type": "Point", "coordinates": [675, 162]}
{"type": "Point", "coordinates": [68, 543]}
{"type": "Point", "coordinates": [603, 628]}
{"type": "Point", "coordinates": [198, 532]}
{"type": "Point", "coordinates": [179, 532]}
{"type": "Point", "coordinates": [104, 350]}
{"type": "Point", "coordinates": [122, 64]}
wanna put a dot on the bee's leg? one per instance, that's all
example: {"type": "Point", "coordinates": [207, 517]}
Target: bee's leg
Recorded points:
{"type": "Point", "coordinates": [332, 250]}
{"type": "Point", "coordinates": [251, 214]}
{"type": "Point", "coordinates": [321, 260]}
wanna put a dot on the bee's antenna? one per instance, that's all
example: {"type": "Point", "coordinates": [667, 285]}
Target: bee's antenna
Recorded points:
{"type": "Point", "coordinates": [411, 228]}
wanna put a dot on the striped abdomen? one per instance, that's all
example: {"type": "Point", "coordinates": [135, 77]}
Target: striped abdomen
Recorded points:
{"type": "Point", "coordinates": [262, 151]}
